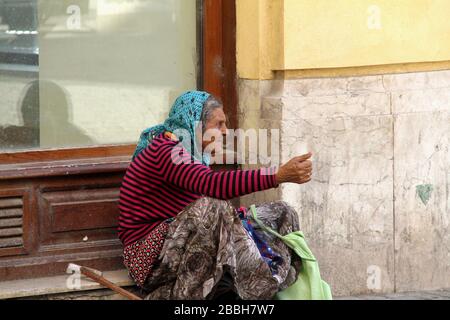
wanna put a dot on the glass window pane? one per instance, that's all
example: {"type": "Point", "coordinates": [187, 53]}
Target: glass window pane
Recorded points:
{"type": "Point", "coordinates": [107, 68]}
{"type": "Point", "coordinates": [19, 128]}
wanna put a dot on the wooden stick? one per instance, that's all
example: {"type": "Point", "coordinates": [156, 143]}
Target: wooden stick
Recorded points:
{"type": "Point", "coordinates": [96, 276]}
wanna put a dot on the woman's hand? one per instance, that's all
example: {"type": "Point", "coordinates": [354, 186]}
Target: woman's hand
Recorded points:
{"type": "Point", "coordinates": [297, 170]}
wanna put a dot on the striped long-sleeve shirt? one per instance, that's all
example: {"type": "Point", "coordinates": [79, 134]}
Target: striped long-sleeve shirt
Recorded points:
{"type": "Point", "coordinates": [164, 178]}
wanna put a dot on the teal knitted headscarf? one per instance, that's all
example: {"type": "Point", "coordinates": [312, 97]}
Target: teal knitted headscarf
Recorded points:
{"type": "Point", "coordinates": [184, 115]}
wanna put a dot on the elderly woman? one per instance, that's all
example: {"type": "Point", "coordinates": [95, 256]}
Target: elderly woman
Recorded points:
{"type": "Point", "coordinates": [182, 237]}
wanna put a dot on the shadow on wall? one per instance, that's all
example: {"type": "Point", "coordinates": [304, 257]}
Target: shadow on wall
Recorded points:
{"type": "Point", "coordinates": [45, 109]}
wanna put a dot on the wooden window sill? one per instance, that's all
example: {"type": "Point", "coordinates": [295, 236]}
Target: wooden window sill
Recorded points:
{"type": "Point", "coordinates": [63, 167]}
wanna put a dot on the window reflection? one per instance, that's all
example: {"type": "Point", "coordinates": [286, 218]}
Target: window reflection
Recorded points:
{"type": "Point", "coordinates": [26, 135]}
{"type": "Point", "coordinates": [18, 35]}
{"type": "Point", "coordinates": [57, 128]}
{"type": "Point", "coordinates": [107, 68]}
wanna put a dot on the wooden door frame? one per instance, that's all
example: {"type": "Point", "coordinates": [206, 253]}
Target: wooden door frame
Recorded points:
{"type": "Point", "coordinates": [219, 54]}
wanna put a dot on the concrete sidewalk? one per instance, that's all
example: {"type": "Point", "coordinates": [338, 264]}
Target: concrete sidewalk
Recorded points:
{"type": "Point", "coordinates": [417, 295]}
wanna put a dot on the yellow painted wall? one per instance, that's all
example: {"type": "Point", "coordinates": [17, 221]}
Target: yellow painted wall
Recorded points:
{"type": "Point", "coordinates": [259, 37]}
{"type": "Point", "coordinates": [317, 34]}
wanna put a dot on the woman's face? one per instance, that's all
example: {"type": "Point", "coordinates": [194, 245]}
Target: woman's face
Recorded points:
{"type": "Point", "coordinates": [215, 127]}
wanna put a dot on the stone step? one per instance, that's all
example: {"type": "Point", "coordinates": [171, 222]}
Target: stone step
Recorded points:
{"type": "Point", "coordinates": [59, 288]}
{"type": "Point", "coordinates": [65, 286]}
{"type": "Point", "coordinates": [443, 294]}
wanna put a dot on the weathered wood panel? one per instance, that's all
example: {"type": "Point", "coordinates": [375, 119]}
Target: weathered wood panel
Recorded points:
{"type": "Point", "coordinates": [11, 212]}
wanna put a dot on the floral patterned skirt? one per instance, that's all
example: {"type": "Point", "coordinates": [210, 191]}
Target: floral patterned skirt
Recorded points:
{"type": "Point", "coordinates": [207, 243]}
{"type": "Point", "coordinates": [141, 256]}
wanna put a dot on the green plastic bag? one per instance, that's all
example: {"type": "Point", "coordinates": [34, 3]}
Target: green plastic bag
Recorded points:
{"type": "Point", "coordinates": [309, 285]}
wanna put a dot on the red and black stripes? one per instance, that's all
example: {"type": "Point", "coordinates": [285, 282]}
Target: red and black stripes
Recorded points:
{"type": "Point", "coordinates": [163, 179]}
